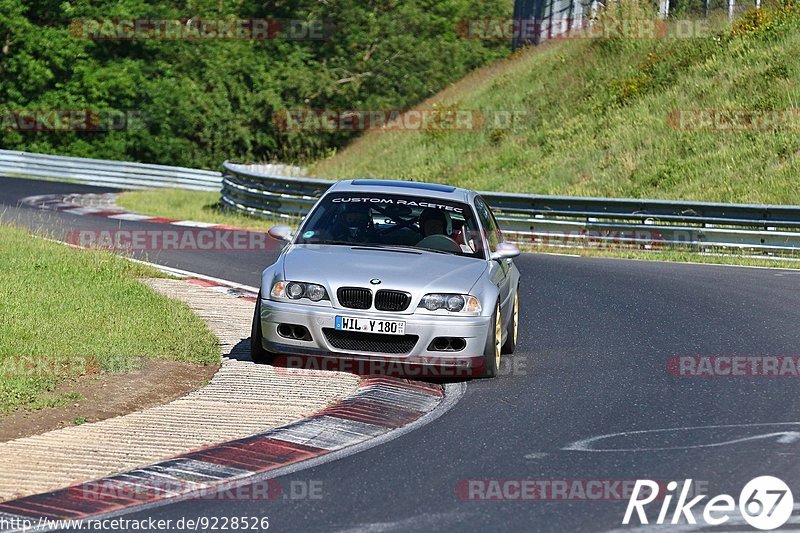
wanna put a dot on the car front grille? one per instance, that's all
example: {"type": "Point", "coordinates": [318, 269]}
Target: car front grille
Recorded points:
{"type": "Point", "coordinates": [392, 300]}
{"type": "Point", "coordinates": [355, 297]}
{"type": "Point", "coordinates": [370, 342]}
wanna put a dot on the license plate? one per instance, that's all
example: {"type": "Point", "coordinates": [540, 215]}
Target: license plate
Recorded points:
{"type": "Point", "coordinates": [369, 325]}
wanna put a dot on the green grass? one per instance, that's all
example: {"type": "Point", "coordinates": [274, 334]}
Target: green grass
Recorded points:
{"type": "Point", "coordinates": [199, 206]}
{"type": "Point", "coordinates": [67, 312]}
{"type": "Point", "coordinates": [596, 123]}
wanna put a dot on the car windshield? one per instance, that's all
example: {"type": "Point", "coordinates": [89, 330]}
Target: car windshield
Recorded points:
{"type": "Point", "coordinates": [389, 220]}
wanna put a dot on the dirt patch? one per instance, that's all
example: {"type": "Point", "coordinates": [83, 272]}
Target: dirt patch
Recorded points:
{"type": "Point", "coordinates": [109, 395]}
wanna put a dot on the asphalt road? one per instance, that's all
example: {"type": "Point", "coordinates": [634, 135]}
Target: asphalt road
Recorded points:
{"type": "Point", "coordinates": [595, 339]}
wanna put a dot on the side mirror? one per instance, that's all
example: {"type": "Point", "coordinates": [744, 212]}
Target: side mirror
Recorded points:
{"type": "Point", "coordinates": [505, 250]}
{"type": "Point", "coordinates": [282, 233]}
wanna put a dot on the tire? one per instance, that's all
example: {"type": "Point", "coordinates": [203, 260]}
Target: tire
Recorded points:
{"type": "Point", "coordinates": [492, 351]}
{"type": "Point", "coordinates": [513, 327]}
{"type": "Point", "coordinates": [257, 352]}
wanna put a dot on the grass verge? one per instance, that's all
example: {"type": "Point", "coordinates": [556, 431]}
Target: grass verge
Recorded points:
{"type": "Point", "coordinates": [66, 313]}
{"type": "Point", "coordinates": [200, 206]}
{"type": "Point", "coordinates": [615, 117]}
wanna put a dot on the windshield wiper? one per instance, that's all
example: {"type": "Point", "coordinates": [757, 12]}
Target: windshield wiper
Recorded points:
{"type": "Point", "coordinates": [397, 247]}
{"type": "Point", "coordinates": [332, 243]}
{"type": "Point", "coordinates": [439, 251]}
{"type": "Point", "coordinates": [381, 246]}
{"type": "Point", "coordinates": [414, 248]}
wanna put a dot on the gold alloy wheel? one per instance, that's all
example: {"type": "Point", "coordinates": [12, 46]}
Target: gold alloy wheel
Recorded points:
{"type": "Point", "coordinates": [498, 338]}
{"type": "Point", "coordinates": [516, 316]}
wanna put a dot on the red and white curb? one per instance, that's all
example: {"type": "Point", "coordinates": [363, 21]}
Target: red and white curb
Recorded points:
{"type": "Point", "coordinates": [105, 206]}
{"type": "Point", "coordinates": [379, 407]}
{"type": "Point", "coordinates": [249, 294]}
{"type": "Point", "coordinates": [383, 408]}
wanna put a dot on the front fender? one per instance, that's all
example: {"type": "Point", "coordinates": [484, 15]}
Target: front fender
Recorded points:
{"type": "Point", "coordinates": [269, 276]}
{"type": "Point", "coordinates": [487, 293]}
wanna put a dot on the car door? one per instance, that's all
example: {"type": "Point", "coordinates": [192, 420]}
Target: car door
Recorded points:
{"type": "Point", "coordinates": [500, 269]}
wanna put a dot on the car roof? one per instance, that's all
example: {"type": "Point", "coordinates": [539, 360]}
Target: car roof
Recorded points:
{"type": "Point", "coordinates": [413, 188]}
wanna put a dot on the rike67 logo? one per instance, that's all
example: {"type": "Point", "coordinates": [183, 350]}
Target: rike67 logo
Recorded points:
{"type": "Point", "coordinates": [765, 503]}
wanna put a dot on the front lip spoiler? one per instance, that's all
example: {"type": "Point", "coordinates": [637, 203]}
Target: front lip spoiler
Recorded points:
{"type": "Point", "coordinates": [378, 366]}
{"type": "Point", "coordinates": [289, 350]}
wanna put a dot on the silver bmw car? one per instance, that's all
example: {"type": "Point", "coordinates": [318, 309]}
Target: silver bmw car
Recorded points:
{"type": "Point", "coordinates": [392, 270]}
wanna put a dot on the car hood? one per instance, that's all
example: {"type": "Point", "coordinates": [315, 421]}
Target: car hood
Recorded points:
{"type": "Point", "coordinates": [416, 272]}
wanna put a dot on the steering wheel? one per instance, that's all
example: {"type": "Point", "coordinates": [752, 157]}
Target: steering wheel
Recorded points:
{"type": "Point", "coordinates": [443, 243]}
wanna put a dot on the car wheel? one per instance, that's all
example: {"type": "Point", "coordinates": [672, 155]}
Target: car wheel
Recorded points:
{"type": "Point", "coordinates": [257, 352]}
{"type": "Point", "coordinates": [491, 353]}
{"type": "Point", "coordinates": [513, 326]}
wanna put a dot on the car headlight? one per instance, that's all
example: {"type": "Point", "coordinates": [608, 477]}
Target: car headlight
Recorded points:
{"type": "Point", "coordinates": [455, 303]}
{"type": "Point", "coordinates": [295, 290]}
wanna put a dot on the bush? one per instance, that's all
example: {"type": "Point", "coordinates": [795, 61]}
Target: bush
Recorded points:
{"type": "Point", "coordinates": [198, 103]}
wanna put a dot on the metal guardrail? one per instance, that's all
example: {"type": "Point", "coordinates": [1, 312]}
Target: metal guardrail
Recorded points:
{"type": "Point", "coordinates": [559, 220]}
{"type": "Point", "coordinates": [270, 192]}
{"type": "Point", "coordinates": [106, 173]}
{"type": "Point", "coordinates": [282, 192]}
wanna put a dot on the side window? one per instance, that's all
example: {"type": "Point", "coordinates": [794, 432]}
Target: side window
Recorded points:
{"type": "Point", "coordinates": [488, 222]}
{"type": "Point", "coordinates": [495, 225]}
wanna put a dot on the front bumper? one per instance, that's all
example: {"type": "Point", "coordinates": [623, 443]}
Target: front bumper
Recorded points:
{"type": "Point", "coordinates": [473, 329]}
